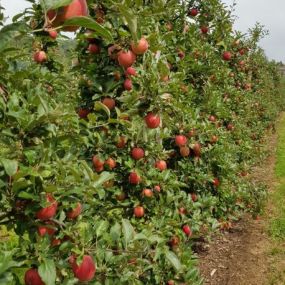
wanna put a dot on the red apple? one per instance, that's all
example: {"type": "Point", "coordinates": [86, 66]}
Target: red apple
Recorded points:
{"type": "Point", "coordinates": [187, 230]}
{"type": "Point", "coordinates": [97, 162]}
{"type": "Point", "coordinates": [110, 163]}
{"type": "Point", "coordinates": [46, 230]}
{"type": "Point", "coordinates": [126, 58]}
{"type": "Point", "coordinates": [75, 212]}
{"type": "Point", "coordinates": [216, 182]}
{"type": "Point", "coordinates": [94, 49]}
{"type": "Point", "coordinates": [194, 197]}
{"type": "Point", "coordinates": [230, 127]}
{"type": "Point", "coordinates": [83, 113]}
{"type": "Point", "coordinates": [130, 71]}
{"type": "Point", "coordinates": [134, 178]}
{"type": "Point", "coordinates": [184, 151]}
{"type": "Point", "coordinates": [84, 271]}
{"type": "Point", "coordinates": [140, 47]}
{"type": "Point", "coordinates": [174, 241]}
{"type": "Point", "coordinates": [99, 168]}
{"type": "Point", "coordinates": [147, 193]}
{"type": "Point", "coordinates": [191, 133]}
{"type": "Point", "coordinates": [157, 188]}
{"type": "Point", "coordinates": [182, 211]}
{"type": "Point", "coordinates": [197, 149]}
{"type": "Point", "coordinates": [242, 51]}
{"type": "Point", "coordinates": [121, 142]}
{"type": "Point", "coordinates": [180, 140]}
{"type": "Point", "coordinates": [160, 165]}
{"type": "Point", "coordinates": [52, 33]}
{"type": "Point", "coordinates": [170, 282]}
{"type": "Point", "coordinates": [152, 121]}
{"type": "Point", "coordinates": [212, 118]}
{"type": "Point", "coordinates": [227, 56]}
{"type": "Point", "coordinates": [193, 12]}
{"type": "Point", "coordinates": [138, 212]}
{"type": "Point", "coordinates": [128, 84]}
{"type": "Point", "coordinates": [214, 139]}
{"type": "Point", "coordinates": [40, 56]}
{"type": "Point", "coordinates": [55, 242]}
{"type": "Point", "coordinates": [121, 196]}
{"type": "Point", "coordinates": [137, 153]}
{"type": "Point", "coordinates": [75, 9]}
{"type": "Point", "coordinates": [241, 63]}
{"type": "Point", "coordinates": [110, 103]}
{"type": "Point", "coordinates": [32, 277]}
{"type": "Point", "coordinates": [181, 54]}
{"type": "Point", "coordinates": [49, 211]}
{"type": "Point", "coordinates": [204, 30]}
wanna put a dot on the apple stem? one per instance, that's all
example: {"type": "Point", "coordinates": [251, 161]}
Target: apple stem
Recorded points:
{"type": "Point", "coordinates": [45, 29]}
{"type": "Point", "coordinates": [49, 22]}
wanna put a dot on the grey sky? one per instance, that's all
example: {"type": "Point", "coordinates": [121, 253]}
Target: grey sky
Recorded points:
{"type": "Point", "coordinates": [12, 7]}
{"type": "Point", "coordinates": [271, 15]}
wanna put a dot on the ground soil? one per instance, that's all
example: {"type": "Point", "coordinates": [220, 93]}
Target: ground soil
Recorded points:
{"type": "Point", "coordinates": [241, 256]}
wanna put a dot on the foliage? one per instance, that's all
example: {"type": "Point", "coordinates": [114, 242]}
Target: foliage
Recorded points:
{"type": "Point", "coordinates": [222, 106]}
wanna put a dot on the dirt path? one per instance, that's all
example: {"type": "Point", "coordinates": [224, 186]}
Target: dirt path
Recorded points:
{"type": "Point", "coordinates": [238, 257]}
{"type": "Point", "coordinates": [242, 256]}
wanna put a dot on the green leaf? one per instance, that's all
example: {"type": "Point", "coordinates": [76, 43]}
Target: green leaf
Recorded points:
{"type": "Point", "coordinates": [47, 272]}
{"type": "Point", "coordinates": [101, 193]}
{"type": "Point", "coordinates": [102, 228]}
{"type": "Point", "coordinates": [131, 20]}
{"type": "Point", "coordinates": [7, 262]}
{"type": "Point", "coordinates": [19, 184]}
{"type": "Point", "coordinates": [115, 232]}
{"type": "Point", "coordinates": [10, 32]}
{"type": "Point", "coordinates": [89, 23]}
{"type": "Point", "coordinates": [155, 239]}
{"type": "Point", "coordinates": [173, 259]}
{"type": "Point", "coordinates": [88, 171]}
{"type": "Point", "coordinates": [222, 43]}
{"type": "Point", "coordinates": [54, 4]}
{"type": "Point", "coordinates": [100, 106]}
{"type": "Point", "coordinates": [128, 231]}
{"type": "Point", "coordinates": [7, 278]}
{"type": "Point", "coordinates": [104, 176]}
{"type": "Point", "coordinates": [18, 16]}
{"type": "Point", "coordinates": [140, 236]}
{"type": "Point", "coordinates": [70, 281]}
{"type": "Point", "coordinates": [10, 166]}
{"type": "Point", "coordinates": [166, 175]}
{"type": "Point", "coordinates": [2, 184]}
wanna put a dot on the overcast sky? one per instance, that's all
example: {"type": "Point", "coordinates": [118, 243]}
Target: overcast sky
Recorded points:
{"type": "Point", "coordinates": [270, 14]}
